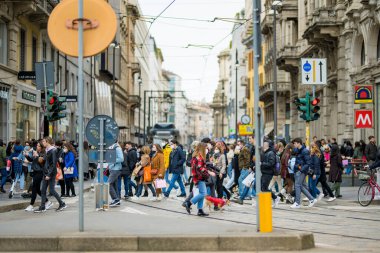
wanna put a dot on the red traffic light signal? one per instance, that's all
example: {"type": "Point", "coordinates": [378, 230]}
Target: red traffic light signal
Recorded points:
{"type": "Point", "coordinates": [314, 109]}
{"type": "Point", "coordinates": [315, 101]}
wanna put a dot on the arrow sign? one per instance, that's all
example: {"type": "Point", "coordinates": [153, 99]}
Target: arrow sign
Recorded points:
{"type": "Point", "coordinates": [310, 72]}
{"type": "Point", "coordinates": [320, 70]}
{"type": "Point", "coordinates": [307, 78]}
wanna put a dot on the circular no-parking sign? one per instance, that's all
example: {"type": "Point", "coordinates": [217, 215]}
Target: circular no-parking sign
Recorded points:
{"type": "Point", "coordinates": [110, 131]}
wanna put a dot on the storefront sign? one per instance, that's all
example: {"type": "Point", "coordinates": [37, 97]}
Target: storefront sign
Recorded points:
{"type": "Point", "coordinates": [363, 94]}
{"type": "Point", "coordinates": [26, 75]}
{"type": "Point", "coordinates": [245, 130]}
{"type": "Point", "coordinates": [29, 96]}
{"type": "Point", "coordinates": [3, 94]}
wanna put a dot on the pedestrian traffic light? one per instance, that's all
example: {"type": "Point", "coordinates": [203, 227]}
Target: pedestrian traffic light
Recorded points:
{"type": "Point", "coordinates": [314, 108]}
{"type": "Point", "coordinates": [303, 105]}
{"type": "Point", "coordinates": [55, 106]}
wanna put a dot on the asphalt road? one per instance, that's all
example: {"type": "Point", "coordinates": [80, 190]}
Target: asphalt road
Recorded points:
{"type": "Point", "coordinates": [340, 225]}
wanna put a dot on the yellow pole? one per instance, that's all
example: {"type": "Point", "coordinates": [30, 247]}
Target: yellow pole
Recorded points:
{"type": "Point", "coordinates": [307, 140]}
{"type": "Point", "coordinates": [265, 212]}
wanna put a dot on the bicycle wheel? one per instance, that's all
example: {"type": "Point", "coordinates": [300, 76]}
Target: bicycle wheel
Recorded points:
{"type": "Point", "coordinates": [365, 194]}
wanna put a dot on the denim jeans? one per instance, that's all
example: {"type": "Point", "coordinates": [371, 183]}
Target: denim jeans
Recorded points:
{"type": "Point", "coordinates": [300, 186]}
{"type": "Point", "coordinates": [4, 175]}
{"type": "Point", "coordinates": [140, 188]}
{"type": "Point", "coordinates": [21, 178]}
{"type": "Point", "coordinates": [229, 170]}
{"type": "Point", "coordinates": [198, 199]}
{"type": "Point", "coordinates": [112, 180]}
{"type": "Point", "coordinates": [176, 178]}
{"type": "Point", "coordinates": [243, 174]}
{"type": "Point", "coordinates": [313, 186]}
{"type": "Point", "coordinates": [168, 181]}
{"type": "Point", "coordinates": [51, 184]}
{"type": "Point", "coordinates": [231, 180]}
{"type": "Point", "coordinates": [127, 182]}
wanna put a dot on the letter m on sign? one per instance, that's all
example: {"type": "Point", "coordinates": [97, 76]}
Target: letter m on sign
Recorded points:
{"type": "Point", "coordinates": [363, 119]}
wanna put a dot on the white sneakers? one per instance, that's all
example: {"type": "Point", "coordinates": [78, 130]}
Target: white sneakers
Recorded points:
{"type": "Point", "coordinates": [331, 199]}
{"type": "Point", "coordinates": [153, 199]}
{"type": "Point", "coordinates": [135, 198]}
{"type": "Point", "coordinates": [48, 205]}
{"type": "Point", "coordinates": [312, 202]}
{"type": "Point", "coordinates": [295, 206]}
{"type": "Point", "coordinates": [320, 196]}
{"type": "Point", "coordinates": [253, 202]}
{"type": "Point", "coordinates": [276, 201]}
{"type": "Point", "coordinates": [29, 208]}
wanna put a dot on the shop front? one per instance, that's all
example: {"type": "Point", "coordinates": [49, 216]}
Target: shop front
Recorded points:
{"type": "Point", "coordinates": [4, 111]}
{"type": "Point", "coordinates": [28, 106]}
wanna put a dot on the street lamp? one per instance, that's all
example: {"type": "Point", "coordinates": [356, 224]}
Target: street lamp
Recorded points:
{"type": "Point", "coordinates": [275, 4]}
{"type": "Point", "coordinates": [114, 45]}
{"type": "Point", "coordinates": [236, 94]}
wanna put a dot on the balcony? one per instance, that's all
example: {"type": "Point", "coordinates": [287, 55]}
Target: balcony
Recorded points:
{"type": "Point", "coordinates": [37, 11]}
{"type": "Point", "coordinates": [267, 23]}
{"type": "Point", "coordinates": [269, 56]}
{"type": "Point", "coordinates": [266, 90]}
{"type": "Point", "coordinates": [135, 67]}
{"type": "Point", "coordinates": [244, 81]}
{"type": "Point", "coordinates": [324, 28]}
{"type": "Point", "coordinates": [287, 59]}
{"type": "Point", "coordinates": [133, 101]}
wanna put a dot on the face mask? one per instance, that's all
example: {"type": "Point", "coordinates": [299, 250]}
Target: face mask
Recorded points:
{"type": "Point", "coordinates": [237, 148]}
{"type": "Point", "coordinates": [216, 151]}
{"type": "Point", "coordinates": [172, 146]}
{"type": "Point", "coordinates": [209, 146]}
{"type": "Point", "coordinates": [65, 150]}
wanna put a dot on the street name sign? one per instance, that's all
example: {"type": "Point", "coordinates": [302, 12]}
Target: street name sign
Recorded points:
{"type": "Point", "coordinates": [70, 98]}
{"type": "Point", "coordinates": [363, 119]}
{"type": "Point", "coordinates": [314, 71]}
{"type": "Point", "coordinates": [26, 75]}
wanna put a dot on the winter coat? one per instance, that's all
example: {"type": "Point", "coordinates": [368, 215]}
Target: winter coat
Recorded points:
{"type": "Point", "coordinates": [303, 161]}
{"type": "Point", "coordinates": [358, 154]}
{"type": "Point", "coordinates": [252, 155]}
{"type": "Point", "coordinates": [349, 151]}
{"type": "Point", "coordinates": [70, 162]}
{"type": "Point", "coordinates": [36, 165]}
{"type": "Point", "coordinates": [199, 170]}
{"type": "Point", "coordinates": [158, 163]}
{"type": "Point", "coordinates": [336, 168]}
{"type": "Point", "coordinates": [119, 158]}
{"type": "Point", "coordinates": [316, 164]}
{"type": "Point", "coordinates": [371, 152]}
{"type": "Point", "coordinates": [244, 158]}
{"type": "Point", "coordinates": [284, 164]}
{"type": "Point", "coordinates": [51, 159]}
{"type": "Point", "coordinates": [167, 151]}
{"type": "Point", "coordinates": [3, 156]}
{"type": "Point", "coordinates": [177, 159]}
{"type": "Point", "coordinates": [220, 163]}
{"type": "Point", "coordinates": [268, 162]}
{"type": "Point", "coordinates": [17, 164]}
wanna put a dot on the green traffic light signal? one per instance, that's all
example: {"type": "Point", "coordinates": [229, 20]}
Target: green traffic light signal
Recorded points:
{"type": "Point", "coordinates": [303, 105]}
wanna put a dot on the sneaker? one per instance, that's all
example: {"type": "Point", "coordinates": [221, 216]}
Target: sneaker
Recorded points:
{"type": "Point", "coordinates": [331, 199]}
{"type": "Point", "coordinates": [339, 196]}
{"type": "Point", "coordinates": [61, 207]}
{"type": "Point", "coordinates": [320, 196]}
{"type": "Point", "coordinates": [153, 199]}
{"type": "Point", "coordinates": [29, 208]}
{"type": "Point", "coordinates": [239, 201]}
{"type": "Point", "coordinates": [159, 198]}
{"type": "Point", "coordinates": [181, 196]}
{"type": "Point", "coordinates": [135, 198]}
{"type": "Point", "coordinates": [312, 202]}
{"type": "Point", "coordinates": [40, 210]}
{"type": "Point", "coordinates": [145, 194]}
{"type": "Point", "coordinates": [295, 206]}
{"type": "Point", "coordinates": [276, 201]}
{"type": "Point", "coordinates": [305, 199]}
{"type": "Point", "coordinates": [48, 205]}
{"type": "Point", "coordinates": [115, 202]}
{"type": "Point", "coordinates": [253, 203]}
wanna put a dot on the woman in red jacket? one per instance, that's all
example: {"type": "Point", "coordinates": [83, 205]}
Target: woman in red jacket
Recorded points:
{"type": "Point", "coordinates": [200, 176]}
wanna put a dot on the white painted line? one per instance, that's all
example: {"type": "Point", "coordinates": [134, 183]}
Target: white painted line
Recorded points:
{"type": "Point", "coordinates": [132, 210]}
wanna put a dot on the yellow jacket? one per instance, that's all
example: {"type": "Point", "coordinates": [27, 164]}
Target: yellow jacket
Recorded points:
{"type": "Point", "coordinates": [167, 150]}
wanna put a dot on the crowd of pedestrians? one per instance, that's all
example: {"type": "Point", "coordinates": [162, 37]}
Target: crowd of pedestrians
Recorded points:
{"type": "Point", "coordinates": [219, 171]}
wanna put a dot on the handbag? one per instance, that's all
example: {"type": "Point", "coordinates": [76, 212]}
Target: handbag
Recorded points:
{"type": "Point", "coordinates": [154, 172]}
{"type": "Point", "coordinates": [249, 179]}
{"type": "Point", "coordinates": [137, 169]}
{"type": "Point", "coordinates": [59, 175]}
{"type": "Point", "coordinates": [147, 173]}
{"type": "Point", "coordinates": [160, 183]}
{"type": "Point", "coordinates": [345, 162]}
{"type": "Point", "coordinates": [68, 170]}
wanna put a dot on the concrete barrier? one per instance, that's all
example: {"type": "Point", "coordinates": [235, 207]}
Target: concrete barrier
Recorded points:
{"type": "Point", "coordinates": [89, 242]}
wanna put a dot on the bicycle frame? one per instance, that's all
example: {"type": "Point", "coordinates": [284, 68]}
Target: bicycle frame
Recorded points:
{"type": "Point", "coordinates": [372, 182]}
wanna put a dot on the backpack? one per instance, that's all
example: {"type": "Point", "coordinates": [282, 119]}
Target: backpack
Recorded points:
{"type": "Point", "coordinates": [278, 165]}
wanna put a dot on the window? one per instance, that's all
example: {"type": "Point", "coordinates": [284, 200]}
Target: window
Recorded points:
{"type": "Point", "coordinates": [60, 80]}
{"type": "Point", "coordinates": [52, 55]}
{"type": "Point", "coordinates": [34, 52]}
{"type": "Point", "coordinates": [362, 55]}
{"type": "Point", "coordinates": [91, 92]}
{"type": "Point", "coordinates": [44, 51]}
{"type": "Point", "coordinates": [3, 43]}
{"type": "Point", "coordinates": [71, 87]}
{"type": "Point", "coordinates": [378, 46]}
{"type": "Point", "coordinates": [66, 79]}
{"type": "Point", "coordinates": [22, 49]}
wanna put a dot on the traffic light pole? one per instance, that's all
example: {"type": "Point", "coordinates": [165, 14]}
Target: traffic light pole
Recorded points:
{"type": "Point", "coordinates": [307, 139]}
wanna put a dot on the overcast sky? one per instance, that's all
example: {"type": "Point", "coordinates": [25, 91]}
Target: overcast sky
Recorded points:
{"type": "Point", "coordinates": [198, 67]}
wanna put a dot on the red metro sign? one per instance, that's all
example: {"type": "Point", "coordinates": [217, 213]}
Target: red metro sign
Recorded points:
{"type": "Point", "coordinates": [363, 119]}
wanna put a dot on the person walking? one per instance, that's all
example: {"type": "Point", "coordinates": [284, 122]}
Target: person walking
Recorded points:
{"type": "Point", "coordinates": [244, 163]}
{"type": "Point", "coordinates": [221, 165]}
{"type": "Point", "coordinates": [200, 176]}
{"type": "Point", "coordinates": [3, 170]}
{"type": "Point", "coordinates": [115, 172]}
{"type": "Point", "coordinates": [336, 170]}
{"type": "Point", "coordinates": [301, 169]}
{"type": "Point", "coordinates": [37, 167]}
{"type": "Point", "coordinates": [158, 167]}
{"type": "Point", "coordinates": [323, 178]}
{"type": "Point", "coordinates": [49, 173]}
{"type": "Point", "coordinates": [277, 171]}
{"type": "Point", "coordinates": [316, 159]}
{"type": "Point", "coordinates": [177, 159]}
{"type": "Point", "coordinates": [145, 161]}
{"type": "Point", "coordinates": [371, 150]}
{"type": "Point", "coordinates": [285, 173]}
{"type": "Point", "coordinates": [61, 163]}
{"type": "Point", "coordinates": [268, 167]}
{"type": "Point", "coordinates": [131, 162]}
{"type": "Point", "coordinates": [71, 171]}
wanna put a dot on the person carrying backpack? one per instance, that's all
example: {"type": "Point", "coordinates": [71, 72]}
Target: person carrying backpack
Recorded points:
{"type": "Point", "coordinates": [277, 171]}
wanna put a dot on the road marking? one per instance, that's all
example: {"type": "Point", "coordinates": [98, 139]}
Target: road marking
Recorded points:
{"type": "Point", "coordinates": [132, 210]}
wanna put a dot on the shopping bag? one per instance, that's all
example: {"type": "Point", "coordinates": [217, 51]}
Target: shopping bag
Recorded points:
{"type": "Point", "coordinates": [68, 170]}
{"type": "Point", "coordinates": [59, 175]}
{"type": "Point", "coordinates": [249, 179]}
{"type": "Point", "coordinates": [147, 174]}
{"type": "Point", "coordinates": [345, 162]}
{"type": "Point", "coordinates": [160, 183]}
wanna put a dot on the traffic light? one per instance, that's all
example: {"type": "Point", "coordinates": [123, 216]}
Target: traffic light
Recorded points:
{"type": "Point", "coordinates": [55, 106]}
{"type": "Point", "coordinates": [303, 105]}
{"type": "Point", "coordinates": [314, 108]}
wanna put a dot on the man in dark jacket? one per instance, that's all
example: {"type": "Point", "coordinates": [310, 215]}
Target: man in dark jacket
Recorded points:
{"type": "Point", "coordinates": [177, 159]}
{"type": "Point", "coordinates": [49, 173]}
{"type": "Point", "coordinates": [371, 150]}
{"type": "Point", "coordinates": [268, 165]}
{"type": "Point", "coordinates": [3, 170]}
{"type": "Point", "coordinates": [301, 169]}
{"type": "Point", "coordinates": [131, 160]}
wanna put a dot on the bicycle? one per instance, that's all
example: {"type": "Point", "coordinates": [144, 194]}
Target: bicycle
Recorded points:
{"type": "Point", "coordinates": [367, 190]}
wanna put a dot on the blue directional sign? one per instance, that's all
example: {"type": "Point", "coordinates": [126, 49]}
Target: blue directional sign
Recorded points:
{"type": "Point", "coordinates": [307, 66]}
{"type": "Point", "coordinates": [314, 71]}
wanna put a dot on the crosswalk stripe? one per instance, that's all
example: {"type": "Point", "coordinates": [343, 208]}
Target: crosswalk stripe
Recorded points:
{"type": "Point", "coordinates": [132, 210]}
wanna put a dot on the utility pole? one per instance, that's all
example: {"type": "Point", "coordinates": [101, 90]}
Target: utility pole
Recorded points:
{"type": "Point", "coordinates": [236, 94]}
{"type": "Point", "coordinates": [274, 7]}
{"type": "Point", "coordinates": [140, 82]}
{"type": "Point", "coordinates": [256, 60]}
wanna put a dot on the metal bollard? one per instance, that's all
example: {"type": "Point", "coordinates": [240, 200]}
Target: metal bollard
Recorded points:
{"type": "Point", "coordinates": [265, 211]}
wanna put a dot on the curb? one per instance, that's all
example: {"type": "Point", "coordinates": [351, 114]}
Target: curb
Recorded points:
{"type": "Point", "coordinates": [24, 204]}
{"type": "Point", "coordinates": [88, 242]}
